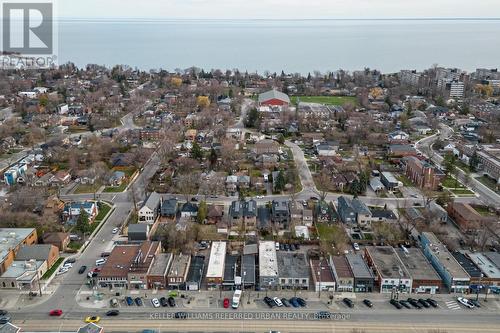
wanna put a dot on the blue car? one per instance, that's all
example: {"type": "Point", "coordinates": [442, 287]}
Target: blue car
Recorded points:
{"type": "Point", "coordinates": [129, 301]}
{"type": "Point", "coordinates": [294, 302]}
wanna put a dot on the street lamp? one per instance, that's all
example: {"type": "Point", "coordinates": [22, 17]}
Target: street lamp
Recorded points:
{"type": "Point", "coordinates": [479, 286]}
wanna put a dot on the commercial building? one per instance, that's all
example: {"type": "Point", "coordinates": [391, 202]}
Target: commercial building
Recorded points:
{"type": "Point", "coordinates": [322, 275]}
{"type": "Point", "coordinates": [424, 277]}
{"type": "Point", "coordinates": [268, 265]}
{"type": "Point", "coordinates": [390, 273]}
{"type": "Point", "coordinates": [43, 252]}
{"type": "Point", "coordinates": [454, 277]}
{"type": "Point", "coordinates": [231, 272]}
{"type": "Point", "coordinates": [273, 98]}
{"type": "Point", "coordinates": [293, 271]}
{"type": "Point", "coordinates": [476, 276]}
{"type": "Point", "coordinates": [344, 278]}
{"type": "Point", "coordinates": [157, 275]}
{"type": "Point", "coordinates": [215, 270]}
{"type": "Point", "coordinates": [195, 274]}
{"type": "Point", "coordinates": [11, 240]}
{"type": "Point", "coordinates": [24, 275]}
{"type": "Point", "coordinates": [364, 280]}
{"type": "Point", "coordinates": [466, 217]}
{"type": "Point", "coordinates": [179, 269]}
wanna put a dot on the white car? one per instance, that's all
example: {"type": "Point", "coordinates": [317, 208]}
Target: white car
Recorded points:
{"type": "Point", "coordinates": [67, 265]}
{"type": "Point", "coordinates": [260, 197]}
{"type": "Point", "coordinates": [277, 301]}
{"type": "Point", "coordinates": [62, 270]}
{"type": "Point", "coordinates": [356, 246]}
{"type": "Point", "coordinates": [115, 230]}
{"type": "Point", "coordinates": [155, 302]}
{"type": "Point", "coordinates": [464, 301]}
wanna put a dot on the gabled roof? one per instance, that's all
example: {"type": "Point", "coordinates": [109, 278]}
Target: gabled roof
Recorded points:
{"type": "Point", "coordinates": [35, 251]}
{"type": "Point", "coordinates": [189, 207]}
{"type": "Point", "coordinates": [273, 94]}
{"type": "Point", "coordinates": [153, 201]}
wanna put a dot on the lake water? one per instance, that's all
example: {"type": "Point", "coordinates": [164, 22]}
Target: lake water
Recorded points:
{"type": "Point", "coordinates": [290, 45]}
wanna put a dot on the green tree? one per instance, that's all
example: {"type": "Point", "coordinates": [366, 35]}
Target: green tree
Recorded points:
{"type": "Point", "coordinates": [473, 162]}
{"type": "Point", "coordinates": [213, 157]}
{"type": "Point", "coordinates": [363, 181]}
{"type": "Point", "coordinates": [82, 223]}
{"type": "Point", "coordinates": [202, 212]}
{"type": "Point", "coordinates": [280, 181]}
{"type": "Point", "coordinates": [450, 167]}
{"type": "Point", "coordinates": [252, 119]}
{"type": "Point", "coordinates": [196, 152]}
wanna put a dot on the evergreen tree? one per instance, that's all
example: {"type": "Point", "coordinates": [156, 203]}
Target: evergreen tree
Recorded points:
{"type": "Point", "coordinates": [196, 152]}
{"type": "Point", "coordinates": [82, 223]}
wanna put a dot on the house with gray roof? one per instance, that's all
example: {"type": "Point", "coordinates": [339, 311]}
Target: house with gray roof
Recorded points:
{"type": "Point", "coordinates": [293, 270]}
{"type": "Point", "coordinates": [169, 208]}
{"type": "Point", "coordinates": [364, 280]}
{"type": "Point", "coordinates": [273, 98]}
{"type": "Point", "coordinates": [149, 211]}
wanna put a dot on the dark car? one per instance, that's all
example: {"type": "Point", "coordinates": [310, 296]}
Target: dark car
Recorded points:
{"type": "Point", "coordinates": [432, 302]}
{"type": "Point", "coordinates": [138, 301]}
{"type": "Point", "coordinates": [301, 302]}
{"type": "Point", "coordinates": [70, 261]}
{"type": "Point", "coordinates": [82, 269]}
{"type": "Point", "coordinates": [368, 303]}
{"type": "Point", "coordinates": [4, 319]}
{"type": "Point", "coordinates": [405, 304]}
{"type": "Point", "coordinates": [293, 247]}
{"type": "Point", "coordinates": [323, 315]}
{"type": "Point", "coordinates": [163, 302]}
{"type": "Point", "coordinates": [286, 247]}
{"type": "Point", "coordinates": [3, 312]}
{"type": "Point", "coordinates": [414, 303]}
{"type": "Point", "coordinates": [396, 304]}
{"type": "Point", "coordinates": [297, 246]}
{"type": "Point", "coordinates": [424, 303]}
{"type": "Point", "coordinates": [181, 315]}
{"type": "Point", "coordinates": [270, 303]}
{"type": "Point", "coordinates": [294, 302]}
{"type": "Point", "coordinates": [194, 200]}
{"type": "Point", "coordinates": [129, 300]}
{"type": "Point", "coordinates": [112, 313]}
{"type": "Point", "coordinates": [348, 302]}
{"type": "Point", "coordinates": [171, 301]}
{"type": "Point", "coordinates": [285, 302]}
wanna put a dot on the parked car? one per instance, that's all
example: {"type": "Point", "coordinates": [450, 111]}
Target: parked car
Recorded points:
{"type": "Point", "coordinates": [348, 302]}
{"type": "Point", "coordinates": [115, 230]}
{"type": "Point", "coordinates": [92, 319]}
{"type": "Point", "coordinates": [226, 303]}
{"type": "Point", "coordinates": [293, 247]}
{"type": "Point", "coordinates": [396, 304]}
{"type": "Point", "coordinates": [277, 301]}
{"type": "Point", "coordinates": [163, 302]}
{"type": "Point", "coordinates": [55, 312]}
{"type": "Point", "coordinates": [62, 271]}
{"type": "Point", "coordinates": [285, 302]}
{"type": "Point", "coordinates": [464, 301]}
{"type": "Point", "coordinates": [405, 304]}
{"type": "Point", "coordinates": [70, 260]}
{"type": "Point", "coordinates": [3, 312]}
{"type": "Point", "coordinates": [4, 319]}
{"type": "Point", "coordinates": [269, 302]}
{"type": "Point", "coordinates": [138, 301]}
{"type": "Point", "coordinates": [129, 300]}
{"type": "Point", "coordinates": [82, 269]}
{"type": "Point", "coordinates": [475, 303]}
{"type": "Point", "coordinates": [155, 302]}
{"type": "Point", "coordinates": [424, 303]}
{"type": "Point", "coordinates": [100, 262]}
{"type": "Point", "coordinates": [294, 302]}
{"type": "Point", "coordinates": [432, 302]}
{"type": "Point", "coordinates": [112, 313]}
{"type": "Point", "coordinates": [368, 303]}
{"type": "Point", "coordinates": [414, 303]}
{"type": "Point", "coordinates": [92, 274]}
{"type": "Point", "coordinates": [171, 301]}
{"type": "Point", "coordinates": [301, 302]}
{"type": "Point", "coordinates": [355, 246]}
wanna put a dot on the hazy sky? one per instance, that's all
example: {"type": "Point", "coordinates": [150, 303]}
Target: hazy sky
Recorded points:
{"type": "Point", "coordinates": [278, 8]}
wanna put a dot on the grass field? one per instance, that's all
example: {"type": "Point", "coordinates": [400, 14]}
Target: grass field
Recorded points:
{"type": "Point", "coordinates": [51, 271]}
{"type": "Point", "coordinates": [87, 188]}
{"type": "Point", "coordinates": [327, 100]}
{"type": "Point", "coordinates": [103, 210]}
{"type": "Point", "coordinates": [113, 189]}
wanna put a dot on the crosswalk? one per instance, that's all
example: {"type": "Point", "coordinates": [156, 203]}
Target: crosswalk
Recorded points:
{"type": "Point", "coordinates": [452, 305]}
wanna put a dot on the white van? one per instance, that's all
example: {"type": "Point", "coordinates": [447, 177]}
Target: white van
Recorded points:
{"type": "Point", "coordinates": [236, 299]}
{"type": "Point", "coordinates": [100, 262]}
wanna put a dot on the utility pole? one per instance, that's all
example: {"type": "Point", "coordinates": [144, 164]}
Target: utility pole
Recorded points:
{"type": "Point", "coordinates": [479, 286]}
{"type": "Point", "coordinates": [319, 276]}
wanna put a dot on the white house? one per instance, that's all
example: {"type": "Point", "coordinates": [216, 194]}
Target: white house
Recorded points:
{"type": "Point", "coordinates": [150, 209]}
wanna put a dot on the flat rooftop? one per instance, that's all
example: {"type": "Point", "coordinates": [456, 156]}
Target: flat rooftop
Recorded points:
{"type": "Point", "coordinates": [248, 268]}
{"type": "Point", "coordinates": [387, 262]}
{"type": "Point", "coordinates": [323, 267]}
{"type": "Point", "coordinates": [11, 238]}
{"type": "Point", "coordinates": [293, 265]}
{"type": "Point", "coordinates": [417, 264]}
{"type": "Point", "coordinates": [494, 257]}
{"type": "Point", "coordinates": [268, 263]}
{"type": "Point", "coordinates": [160, 265]}
{"type": "Point", "coordinates": [179, 266]}
{"type": "Point", "coordinates": [22, 270]}
{"type": "Point", "coordinates": [359, 267]}
{"type": "Point", "coordinates": [230, 268]}
{"type": "Point", "coordinates": [444, 256]}
{"type": "Point", "coordinates": [216, 261]}
{"type": "Point", "coordinates": [195, 273]}
{"type": "Point", "coordinates": [468, 265]}
{"type": "Point", "coordinates": [119, 261]}
{"type": "Point", "coordinates": [487, 266]}
{"type": "Point", "coordinates": [342, 268]}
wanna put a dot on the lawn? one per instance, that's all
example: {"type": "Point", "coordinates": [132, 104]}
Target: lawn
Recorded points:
{"type": "Point", "coordinates": [54, 267]}
{"type": "Point", "coordinates": [87, 188]}
{"type": "Point", "coordinates": [327, 100]}
{"type": "Point", "coordinates": [104, 208]}
{"type": "Point", "coordinates": [450, 182]}
{"type": "Point", "coordinates": [112, 189]}
{"type": "Point", "coordinates": [462, 192]}
{"type": "Point", "coordinates": [490, 183]}
{"type": "Point", "coordinates": [405, 180]}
